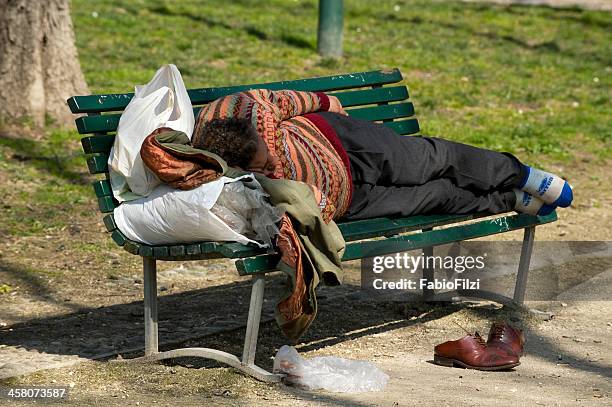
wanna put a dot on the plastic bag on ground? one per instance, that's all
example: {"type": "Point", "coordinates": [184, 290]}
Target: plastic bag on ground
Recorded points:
{"type": "Point", "coordinates": [329, 372]}
{"type": "Point", "coordinates": [163, 102]}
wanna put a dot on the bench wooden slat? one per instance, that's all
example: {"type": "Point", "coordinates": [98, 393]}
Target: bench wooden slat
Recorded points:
{"type": "Point", "coordinates": [102, 188]}
{"type": "Point", "coordinates": [106, 204]}
{"type": "Point", "coordinates": [97, 164]}
{"type": "Point", "coordinates": [109, 222]}
{"type": "Point", "coordinates": [368, 228]}
{"type": "Point", "coordinates": [352, 230]}
{"type": "Point", "coordinates": [161, 251]}
{"type": "Point", "coordinates": [97, 124]}
{"type": "Point", "coordinates": [397, 244]}
{"type": "Point", "coordinates": [404, 127]}
{"type": "Point", "coordinates": [131, 247]}
{"type": "Point", "coordinates": [108, 122]}
{"type": "Point", "coordinates": [105, 123]}
{"type": "Point", "coordinates": [177, 250]}
{"type": "Point", "coordinates": [209, 247]}
{"type": "Point", "coordinates": [180, 250]}
{"type": "Point", "coordinates": [383, 112]}
{"type": "Point", "coordinates": [119, 237]}
{"type": "Point", "coordinates": [116, 102]}
{"type": "Point", "coordinates": [436, 237]}
{"type": "Point", "coordinates": [145, 251]}
{"type": "Point", "coordinates": [192, 249]}
{"type": "Point", "coordinates": [101, 143]}
{"type": "Point", "coordinates": [372, 96]}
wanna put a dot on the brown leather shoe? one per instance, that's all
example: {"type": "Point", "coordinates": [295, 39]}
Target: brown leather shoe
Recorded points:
{"type": "Point", "coordinates": [472, 352]}
{"type": "Point", "coordinates": [506, 337]}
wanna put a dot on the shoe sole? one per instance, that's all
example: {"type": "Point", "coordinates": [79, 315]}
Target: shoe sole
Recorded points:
{"type": "Point", "coordinates": [442, 361]}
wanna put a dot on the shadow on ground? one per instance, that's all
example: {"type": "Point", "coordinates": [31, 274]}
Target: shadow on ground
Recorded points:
{"type": "Point", "coordinates": [547, 47]}
{"type": "Point", "coordinates": [289, 39]}
{"type": "Point", "coordinates": [194, 319]}
{"type": "Point", "coordinates": [44, 158]}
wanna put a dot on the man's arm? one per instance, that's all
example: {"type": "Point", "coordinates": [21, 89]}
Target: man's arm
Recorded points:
{"type": "Point", "coordinates": [291, 103]}
{"type": "Point", "coordinates": [266, 109]}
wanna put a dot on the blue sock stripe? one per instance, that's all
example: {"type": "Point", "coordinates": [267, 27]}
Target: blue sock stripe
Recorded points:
{"type": "Point", "coordinates": [526, 177]}
{"type": "Point", "coordinates": [566, 197]}
{"type": "Point", "coordinates": [546, 210]}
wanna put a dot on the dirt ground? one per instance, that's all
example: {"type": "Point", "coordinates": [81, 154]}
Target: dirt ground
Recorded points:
{"type": "Point", "coordinates": [68, 307]}
{"type": "Point", "coordinates": [567, 362]}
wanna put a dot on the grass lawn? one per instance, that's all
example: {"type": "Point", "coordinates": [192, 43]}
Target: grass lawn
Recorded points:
{"type": "Point", "coordinates": [531, 80]}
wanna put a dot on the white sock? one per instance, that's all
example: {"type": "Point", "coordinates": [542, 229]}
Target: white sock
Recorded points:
{"type": "Point", "coordinates": [550, 188]}
{"type": "Point", "coordinates": [526, 203]}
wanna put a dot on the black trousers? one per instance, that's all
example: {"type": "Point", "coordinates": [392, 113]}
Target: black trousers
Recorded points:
{"type": "Point", "coordinates": [396, 175]}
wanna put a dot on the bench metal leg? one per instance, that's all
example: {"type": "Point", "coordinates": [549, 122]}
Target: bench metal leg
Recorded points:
{"type": "Point", "coordinates": [246, 365]}
{"type": "Point", "coordinates": [428, 272]}
{"type": "Point", "coordinates": [252, 329]}
{"type": "Point", "coordinates": [150, 305]}
{"type": "Point", "coordinates": [519, 289]}
{"type": "Point", "coordinates": [523, 269]}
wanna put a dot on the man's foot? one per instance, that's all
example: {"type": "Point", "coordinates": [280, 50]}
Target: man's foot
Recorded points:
{"type": "Point", "coordinates": [550, 188]}
{"type": "Point", "coordinates": [526, 203]}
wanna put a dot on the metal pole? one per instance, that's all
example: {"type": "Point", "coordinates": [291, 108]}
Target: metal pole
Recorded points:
{"type": "Point", "coordinates": [150, 305]}
{"type": "Point", "coordinates": [428, 272]}
{"type": "Point", "coordinates": [329, 35]}
{"type": "Point", "coordinates": [523, 270]}
{"type": "Point", "coordinates": [252, 330]}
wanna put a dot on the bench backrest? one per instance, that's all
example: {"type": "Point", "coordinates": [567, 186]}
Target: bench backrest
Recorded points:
{"type": "Point", "coordinates": [374, 95]}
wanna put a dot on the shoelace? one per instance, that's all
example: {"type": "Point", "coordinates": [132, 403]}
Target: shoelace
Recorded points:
{"type": "Point", "coordinates": [498, 331]}
{"type": "Point", "coordinates": [476, 335]}
{"type": "Point", "coordinates": [480, 340]}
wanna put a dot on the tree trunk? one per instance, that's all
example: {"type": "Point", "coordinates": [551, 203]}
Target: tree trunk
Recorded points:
{"type": "Point", "coordinates": [39, 65]}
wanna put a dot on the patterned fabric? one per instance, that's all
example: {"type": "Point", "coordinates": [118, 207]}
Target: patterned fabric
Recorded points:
{"type": "Point", "coordinates": [196, 167]}
{"type": "Point", "coordinates": [306, 152]}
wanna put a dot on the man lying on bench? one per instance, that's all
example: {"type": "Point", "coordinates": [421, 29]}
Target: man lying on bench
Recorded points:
{"type": "Point", "coordinates": [361, 169]}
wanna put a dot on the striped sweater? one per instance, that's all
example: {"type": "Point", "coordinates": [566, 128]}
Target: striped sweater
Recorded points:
{"type": "Point", "coordinates": [307, 147]}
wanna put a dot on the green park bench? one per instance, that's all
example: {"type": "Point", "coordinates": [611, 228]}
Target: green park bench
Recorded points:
{"type": "Point", "coordinates": [376, 96]}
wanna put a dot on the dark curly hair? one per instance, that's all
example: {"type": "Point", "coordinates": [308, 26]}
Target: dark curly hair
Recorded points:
{"type": "Point", "coordinates": [234, 140]}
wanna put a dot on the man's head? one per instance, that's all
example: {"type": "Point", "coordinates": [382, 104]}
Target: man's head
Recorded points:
{"type": "Point", "coordinates": [237, 142]}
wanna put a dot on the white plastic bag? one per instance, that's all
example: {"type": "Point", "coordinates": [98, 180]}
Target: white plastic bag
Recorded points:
{"type": "Point", "coordinates": [171, 215]}
{"type": "Point", "coordinates": [329, 372]}
{"type": "Point", "coordinates": [163, 102]}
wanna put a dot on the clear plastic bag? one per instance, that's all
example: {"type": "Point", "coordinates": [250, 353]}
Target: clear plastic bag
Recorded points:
{"type": "Point", "coordinates": [244, 207]}
{"type": "Point", "coordinates": [329, 372]}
